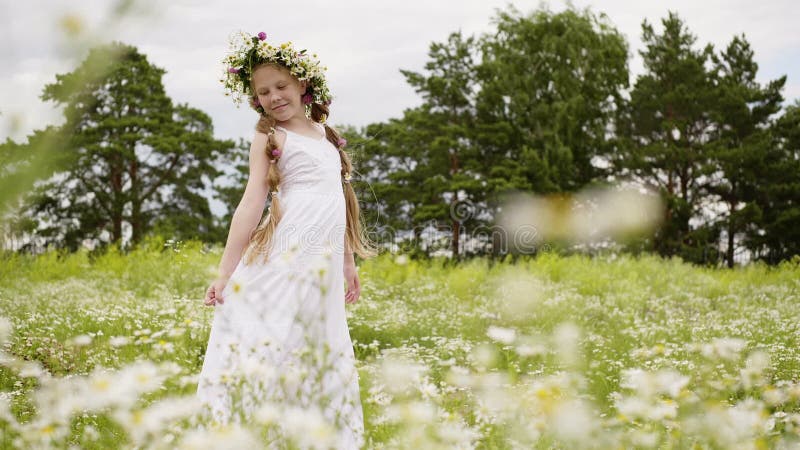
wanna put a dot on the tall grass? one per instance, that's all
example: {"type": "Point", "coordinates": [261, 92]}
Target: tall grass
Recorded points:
{"type": "Point", "coordinates": [489, 354]}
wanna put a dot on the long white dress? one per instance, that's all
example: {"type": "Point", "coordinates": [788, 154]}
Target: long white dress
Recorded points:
{"type": "Point", "coordinates": [280, 351]}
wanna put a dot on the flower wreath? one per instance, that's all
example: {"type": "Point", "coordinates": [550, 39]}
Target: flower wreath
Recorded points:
{"type": "Point", "coordinates": [247, 52]}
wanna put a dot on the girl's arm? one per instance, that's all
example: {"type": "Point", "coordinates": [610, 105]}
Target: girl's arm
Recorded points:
{"type": "Point", "coordinates": [351, 276]}
{"type": "Point", "coordinates": [251, 207]}
{"type": "Point", "coordinates": [349, 259]}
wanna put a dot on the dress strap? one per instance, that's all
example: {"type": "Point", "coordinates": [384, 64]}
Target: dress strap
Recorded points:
{"type": "Point", "coordinates": [317, 124]}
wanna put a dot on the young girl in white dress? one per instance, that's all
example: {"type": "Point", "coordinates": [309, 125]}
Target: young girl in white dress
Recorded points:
{"type": "Point", "coordinates": [279, 353]}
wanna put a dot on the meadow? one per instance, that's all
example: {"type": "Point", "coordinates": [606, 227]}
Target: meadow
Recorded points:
{"type": "Point", "coordinates": [613, 351]}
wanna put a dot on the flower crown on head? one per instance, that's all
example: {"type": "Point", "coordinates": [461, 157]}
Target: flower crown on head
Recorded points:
{"type": "Point", "coordinates": [246, 52]}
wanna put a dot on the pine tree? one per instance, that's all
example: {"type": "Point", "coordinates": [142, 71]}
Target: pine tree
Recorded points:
{"type": "Point", "coordinates": [130, 157]}
{"type": "Point", "coordinates": [778, 193]}
{"type": "Point", "coordinates": [744, 111]}
{"type": "Point", "coordinates": [669, 127]}
{"type": "Point", "coordinates": [447, 169]}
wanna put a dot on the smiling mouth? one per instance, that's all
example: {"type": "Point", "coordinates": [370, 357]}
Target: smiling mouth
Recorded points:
{"type": "Point", "coordinates": [279, 107]}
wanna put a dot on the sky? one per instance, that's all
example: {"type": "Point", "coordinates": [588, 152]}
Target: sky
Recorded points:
{"type": "Point", "coordinates": [363, 43]}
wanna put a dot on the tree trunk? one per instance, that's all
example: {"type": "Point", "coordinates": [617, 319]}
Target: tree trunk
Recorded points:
{"type": "Point", "coordinates": [136, 203]}
{"type": "Point", "coordinates": [729, 251]}
{"type": "Point", "coordinates": [456, 234]}
{"type": "Point", "coordinates": [117, 205]}
{"type": "Point", "coordinates": [454, 167]}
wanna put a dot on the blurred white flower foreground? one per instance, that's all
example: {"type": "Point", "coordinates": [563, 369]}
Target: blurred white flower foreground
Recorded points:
{"type": "Point", "coordinates": [653, 406]}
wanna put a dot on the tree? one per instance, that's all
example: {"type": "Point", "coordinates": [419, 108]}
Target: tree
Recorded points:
{"type": "Point", "coordinates": [387, 203]}
{"type": "Point", "coordinates": [778, 193]}
{"type": "Point", "coordinates": [446, 168]}
{"type": "Point", "coordinates": [231, 191]}
{"type": "Point", "coordinates": [419, 166]}
{"type": "Point", "coordinates": [490, 124]}
{"type": "Point", "coordinates": [669, 126]}
{"type": "Point", "coordinates": [743, 114]}
{"type": "Point", "coordinates": [130, 157]}
{"type": "Point", "coordinates": [551, 84]}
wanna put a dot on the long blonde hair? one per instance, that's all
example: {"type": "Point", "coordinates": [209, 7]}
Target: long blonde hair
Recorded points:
{"type": "Point", "coordinates": [261, 237]}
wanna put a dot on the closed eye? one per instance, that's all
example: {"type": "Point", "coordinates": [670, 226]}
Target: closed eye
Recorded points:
{"type": "Point", "coordinates": [266, 92]}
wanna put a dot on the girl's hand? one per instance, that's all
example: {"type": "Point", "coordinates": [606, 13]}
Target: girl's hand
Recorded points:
{"type": "Point", "coordinates": [353, 285]}
{"type": "Point", "coordinates": [214, 292]}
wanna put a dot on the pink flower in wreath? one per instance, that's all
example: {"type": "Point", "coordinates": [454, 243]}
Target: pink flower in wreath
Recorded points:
{"type": "Point", "coordinates": [276, 152]}
{"type": "Point", "coordinates": [342, 142]}
{"type": "Point", "coordinates": [262, 35]}
{"type": "Point", "coordinates": [307, 98]}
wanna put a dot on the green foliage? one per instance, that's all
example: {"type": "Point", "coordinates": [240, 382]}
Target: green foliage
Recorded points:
{"type": "Point", "coordinates": [129, 157]}
{"type": "Point", "coordinates": [21, 165]}
{"type": "Point", "coordinates": [743, 146]}
{"type": "Point", "coordinates": [668, 127]}
{"type": "Point", "coordinates": [235, 181]}
{"type": "Point", "coordinates": [777, 193]}
{"type": "Point", "coordinates": [538, 104]}
{"type": "Point", "coordinates": [701, 130]}
{"type": "Point", "coordinates": [489, 125]}
{"type": "Point", "coordinates": [550, 86]}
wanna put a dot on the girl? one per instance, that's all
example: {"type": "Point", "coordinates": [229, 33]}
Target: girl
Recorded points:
{"type": "Point", "coordinates": [279, 338]}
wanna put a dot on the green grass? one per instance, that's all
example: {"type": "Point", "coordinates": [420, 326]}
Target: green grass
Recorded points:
{"type": "Point", "coordinates": [629, 312]}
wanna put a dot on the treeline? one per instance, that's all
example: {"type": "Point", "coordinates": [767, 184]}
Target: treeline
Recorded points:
{"type": "Point", "coordinates": [544, 104]}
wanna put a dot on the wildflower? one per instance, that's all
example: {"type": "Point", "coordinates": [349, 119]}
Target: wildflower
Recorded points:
{"type": "Point", "coordinates": [502, 335]}
{"type": "Point", "coordinates": [32, 369]}
{"type": "Point", "coordinates": [665, 381]}
{"type": "Point", "coordinates": [118, 341]}
{"type": "Point", "coordinates": [400, 373]}
{"type": "Point", "coordinates": [268, 413]}
{"type": "Point", "coordinates": [572, 420]}
{"type": "Point", "coordinates": [567, 339]}
{"type": "Point", "coordinates": [725, 348]}
{"type": "Point", "coordinates": [5, 329]}
{"type": "Point", "coordinates": [141, 377]}
{"type": "Point", "coordinates": [82, 340]}
{"type": "Point", "coordinates": [228, 436]}
{"type": "Point", "coordinates": [310, 428]}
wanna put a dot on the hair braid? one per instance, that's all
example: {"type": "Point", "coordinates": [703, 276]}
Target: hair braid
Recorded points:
{"type": "Point", "coordinates": [261, 238]}
{"type": "Point", "coordinates": [355, 237]}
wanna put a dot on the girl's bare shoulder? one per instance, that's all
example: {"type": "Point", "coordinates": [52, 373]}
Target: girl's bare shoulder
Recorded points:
{"type": "Point", "coordinates": [280, 138]}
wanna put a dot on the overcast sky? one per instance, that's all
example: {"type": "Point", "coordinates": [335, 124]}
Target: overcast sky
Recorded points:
{"type": "Point", "coordinates": [364, 43]}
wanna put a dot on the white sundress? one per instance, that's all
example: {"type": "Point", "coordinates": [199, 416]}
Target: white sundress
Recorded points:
{"type": "Point", "coordinates": [282, 332]}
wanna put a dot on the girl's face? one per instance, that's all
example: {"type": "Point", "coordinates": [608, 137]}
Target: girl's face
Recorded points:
{"type": "Point", "coordinates": [279, 92]}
